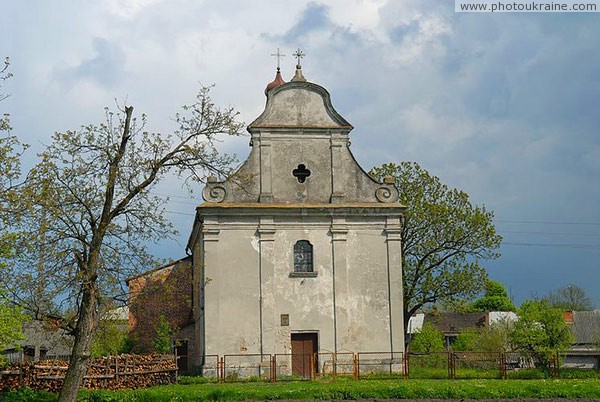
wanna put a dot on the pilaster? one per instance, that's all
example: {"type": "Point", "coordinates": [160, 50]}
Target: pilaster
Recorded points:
{"type": "Point", "coordinates": [268, 314]}
{"type": "Point", "coordinates": [266, 190]}
{"type": "Point", "coordinates": [338, 141]}
{"type": "Point", "coordinates": [393, 233]}
{"type": "Point", "coordinates": [339, 232]}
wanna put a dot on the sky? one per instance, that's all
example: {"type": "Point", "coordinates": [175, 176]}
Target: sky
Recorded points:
{"type": "Point", "coordinates": [501, 106]}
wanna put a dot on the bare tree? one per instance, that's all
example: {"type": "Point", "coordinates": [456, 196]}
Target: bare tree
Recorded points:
{"type": "Point", "coordinates": [92, 211]}
{"type": "Point", "coordinates": [570, 297]}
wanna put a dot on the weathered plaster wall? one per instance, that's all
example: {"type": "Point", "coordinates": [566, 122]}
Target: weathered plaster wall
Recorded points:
{"type": "Point", "coordinates": [248, 262]}
{"type": "Point", "coordinates": [231, 289]}
{"type": "Point", "coordinates": [307, 300]}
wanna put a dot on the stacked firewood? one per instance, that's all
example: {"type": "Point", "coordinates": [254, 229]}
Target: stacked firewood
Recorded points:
{"type": "Point", "coordinates": [112, 372]}
{"type": "Point", "coordinates": [15, 376]}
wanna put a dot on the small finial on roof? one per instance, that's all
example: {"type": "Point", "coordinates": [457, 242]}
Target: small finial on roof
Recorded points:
{"type": "Point", "coordinates": [299, 54]}
{"type": "Point", "coordinates": [278, 80]}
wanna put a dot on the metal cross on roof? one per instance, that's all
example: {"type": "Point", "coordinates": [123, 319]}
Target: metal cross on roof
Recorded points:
{"type": "Point", "coordinates": [279, 55]}
{"type": "Point", "coordinates": [299, 54]}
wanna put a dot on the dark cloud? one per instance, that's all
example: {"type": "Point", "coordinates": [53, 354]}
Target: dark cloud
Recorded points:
{"type": "Point", "coordinates": [105, 68]}
{"type": "Point", "coordinates": [315, 17]}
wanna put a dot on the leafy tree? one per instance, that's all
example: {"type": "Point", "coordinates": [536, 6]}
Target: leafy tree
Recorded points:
{"type": "Point", "coordinates": [495, 298]}
{"type": "Point", "coordinates": [541, 331]}
{"type": "Point", "coordinates": [4, 75]}
{"type": "Point", "coordinates": [571, 297]}
{"type": "Point", "coordinates": [444, 237]}
{"type": "Point", "coordinates": [91, 210]}
{"type": "Point", "coordinates": [110, 339]}
{"type": "Point", "coordinates": [495, 338]}
{"type": "Point", "coordinates": [428, 339]}
{"type": "Point", "coordinates": [162, 342]}
{"type": "Point", "coordinates": [11, 320]}
{"type": "Point", "coordinates": [10, 153]}
{"type": "Point", "coordinates": [11, 317]}
{"type": "Point", "coordinates": [467, 340]}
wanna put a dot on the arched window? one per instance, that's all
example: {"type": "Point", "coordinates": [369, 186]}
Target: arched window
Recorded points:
{"type": "Point", "coordinates": [303, 256]}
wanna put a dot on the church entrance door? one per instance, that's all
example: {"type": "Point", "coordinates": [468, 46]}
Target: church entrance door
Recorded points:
{"type": "Point", "coordinates": [304, 347]}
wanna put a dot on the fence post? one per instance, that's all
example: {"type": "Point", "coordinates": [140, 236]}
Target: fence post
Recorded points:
{"type": "Point", "coordinates": [357, 366]}
{"type": "Point", "coordinates": [221, 370]}
{"type": "Point", "coordinates": [451, 368]}
{"type": "Point", "coordinates": [406, 358]}
{"type": "Point", "coordinates": [274, 368]}
{"type": "Point", "coordinates": [176, 364]}
{"type": "Point", "coordinates": [334, 360]}
{"type": "Point", "coordinates": [116, 370]}
{"type": "Point", "coordinates": [503, 366]}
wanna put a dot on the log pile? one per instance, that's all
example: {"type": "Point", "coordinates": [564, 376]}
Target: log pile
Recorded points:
{"type": "Point", "coordinates": [111, 372]}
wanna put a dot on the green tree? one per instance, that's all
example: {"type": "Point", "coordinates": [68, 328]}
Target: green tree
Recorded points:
{"type": "Point", "coordinates": [11, 320]}
{"type": "Point", "coordinates": [92, 210]}
{"type": "Point", "coordinates": [11, 317]}
{"type": "Point", "coordinates": [4, 75]}
{"type": "Point", "coordinates": [571, 297]}
{"type": "Point", "coordinates": [428, 339]}
{"type": "Point", "coordinates": [162, 342]}
{"type": "Point", "coordinates": [10, 167]}
{"type": "Point", "coordinates": [541, 331]}
{"type": "Point", "coordinates": [467, 340]}
{"type": "Point", "coordinates": [495, 338]}
{"type": "Point", "coordinates": [110, 339]}
{"type": "Point", "coordinates": [495, 298]}
{"type": "Point", "coordinates": [444, 238]}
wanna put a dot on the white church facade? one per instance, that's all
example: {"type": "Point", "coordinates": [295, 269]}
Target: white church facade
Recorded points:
{"type": "Point", "coordinates": [300, 250]}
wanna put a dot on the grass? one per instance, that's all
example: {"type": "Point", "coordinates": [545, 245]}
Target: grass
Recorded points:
{"type": "Point", "coordinates": [342, 388]}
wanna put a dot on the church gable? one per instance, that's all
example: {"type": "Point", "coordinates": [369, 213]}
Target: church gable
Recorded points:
{"type": "Point", "coordinates": [299, 105]}
{"type": "Point", "coordinates": [300, 155]}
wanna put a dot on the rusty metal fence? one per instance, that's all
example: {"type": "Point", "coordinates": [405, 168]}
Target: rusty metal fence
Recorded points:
{"type": "Point", "coordinates": [474, 365]}
{"type": "Point", "coordinates": [433, 365]}
{"type": "Point", "coordinates": [324, 364]}
{"type": "Point", "coordinates": [249, 367]}
{"type": "Point", "coordinates": [288, 367]}
{"type": "Point", "coordinates": [344, 364]}
{"type": "Point", "coordinates": [211, 369]}
{"type": "Point", "coordinates": [380, 365]}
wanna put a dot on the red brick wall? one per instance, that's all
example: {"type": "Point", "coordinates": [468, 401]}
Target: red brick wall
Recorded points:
{"type": "Point", "coordinates": [165, 291]}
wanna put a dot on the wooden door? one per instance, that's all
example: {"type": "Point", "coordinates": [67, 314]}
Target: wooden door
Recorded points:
{"type": "Point", "coordinates": [304, 346]}
{"type": "Point", "coordinates": [181, 349]}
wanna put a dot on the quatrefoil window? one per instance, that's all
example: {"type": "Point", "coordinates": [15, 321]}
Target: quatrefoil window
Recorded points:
{"type": "Point", "coordinates": [301, 173]}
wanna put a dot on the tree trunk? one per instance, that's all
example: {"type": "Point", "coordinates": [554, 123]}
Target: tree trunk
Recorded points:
{"type": "Point", "coordinates": [84, 335]}
{"type": "Point", "coordinates": [88, 267]}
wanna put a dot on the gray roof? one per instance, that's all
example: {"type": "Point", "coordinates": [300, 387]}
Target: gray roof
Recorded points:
{"type": "Point", "coordinates": [450, 323]}
{"type": "Point", "coordinates": [586, 326]}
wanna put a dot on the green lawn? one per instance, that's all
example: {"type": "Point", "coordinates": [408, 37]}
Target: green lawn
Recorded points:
{"type": "Point", "coordinates": [342, 389]}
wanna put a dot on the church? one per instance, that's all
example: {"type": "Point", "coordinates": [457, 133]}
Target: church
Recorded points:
{"type": "Point", "coordinates": [297, 252]}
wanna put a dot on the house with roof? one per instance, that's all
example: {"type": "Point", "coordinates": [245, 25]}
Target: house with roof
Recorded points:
{"type": "Point", "coordinates": [585, 327]}
{"type": "Point", "coordinates": [42, 340]}
{"type": "Point", "coordinates": [452, 324]}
